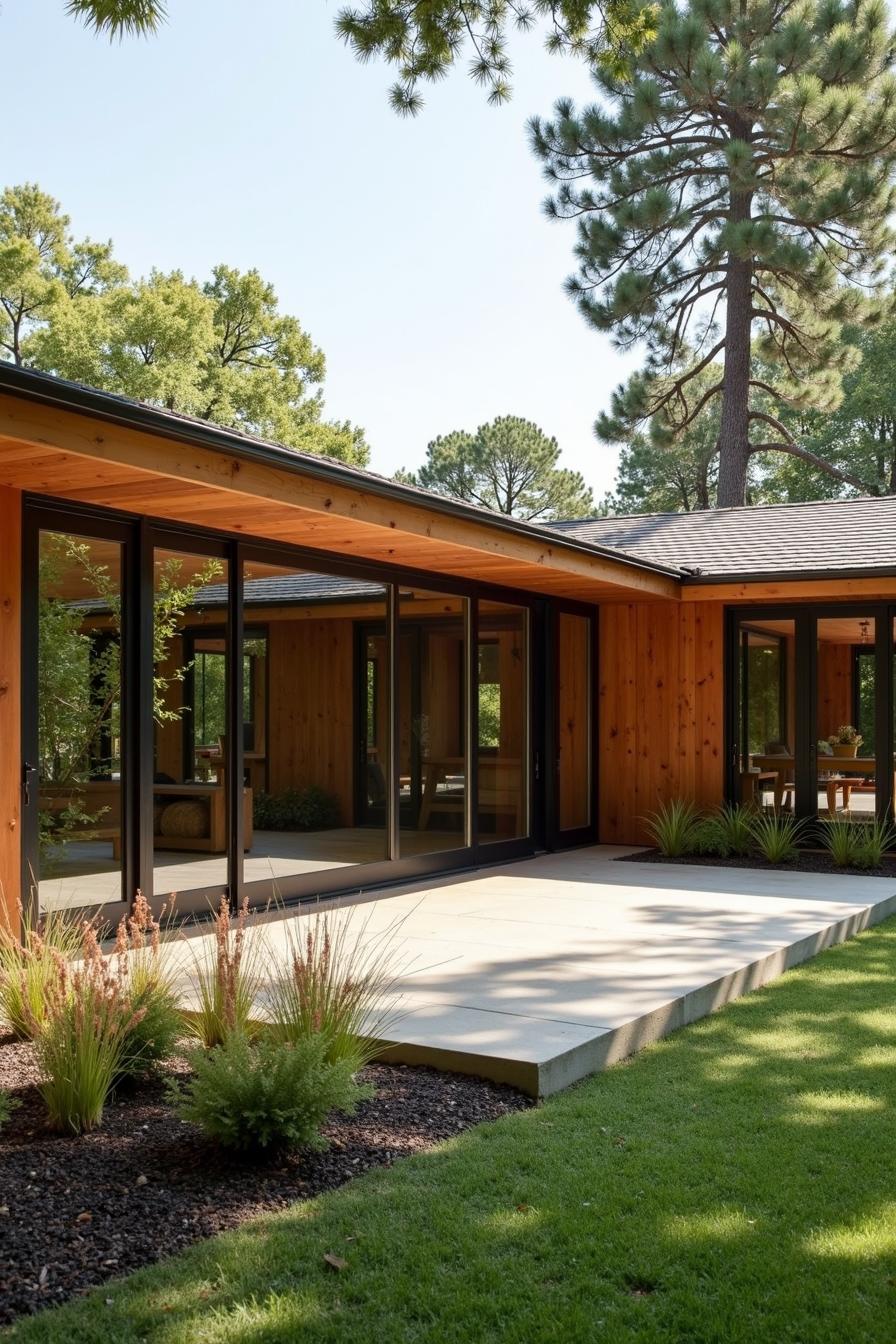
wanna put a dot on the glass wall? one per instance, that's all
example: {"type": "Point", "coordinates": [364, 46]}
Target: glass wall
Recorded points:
{"type": "Point", "coordinates": [315, 694]}
{"type": "Point", "coordinates": [846, 765]}
{"type": "Point", "coordinates": [347, 729]}
{"type": "Point", "coordinates": [79, 767]}
{"type": "Point", "coordinates": [766, 712]}
{"type": "Point", "coordinates": [191, 834]}
{"type": "Point", "coordinates": [432, 721]}
{"type": "Point", "coordinates": [502, 688]}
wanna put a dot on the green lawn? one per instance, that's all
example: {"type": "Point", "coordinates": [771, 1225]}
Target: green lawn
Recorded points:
{"type": "Point", "coordinates": [733, 1183]}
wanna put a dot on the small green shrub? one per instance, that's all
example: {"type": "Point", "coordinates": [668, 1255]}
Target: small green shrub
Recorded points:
{"type": "Point", "coordinates": [777, 837]}
{"type": "Point", "coordinates": [842, 839]}
{"type": "Point", "coordinates": [338, 982]}
{"type": "Point", "coordinates": [7, 1106]}
{"type": "Point", "coordinates": [228, 976]}
{"type": "Point", "coordinates": [709, 839]}
{"type": "Point", "coordinates": [673, 827]}
{"type": "Point", "coordinates": [82, 1039]}
{"type": "Point", "coordinates": [875, 841]}
{"type": "Point", "coordinates": [30, 967]}
{"type": "Point", "coordinates": [309, 809]}
{"type": "Point", "coordinates": [266, 1094]}
{"type": "Point", "coordinates": [735, 825]}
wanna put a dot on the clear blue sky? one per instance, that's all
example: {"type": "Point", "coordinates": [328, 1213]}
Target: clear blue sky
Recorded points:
{"type": "Point", "coordinates": [414, 251]}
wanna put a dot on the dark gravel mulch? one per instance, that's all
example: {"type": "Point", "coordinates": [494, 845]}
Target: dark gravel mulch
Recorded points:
{"type": "Point", "coordinates": [812, 861]}
{"type": "Point", "coordinates": [77, 1211]}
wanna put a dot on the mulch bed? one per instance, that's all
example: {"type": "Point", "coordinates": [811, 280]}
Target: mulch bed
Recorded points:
{"type": "Point", "coordinates": [77, 1211]}
{"type": "Point", "coordinates": [810, 861]}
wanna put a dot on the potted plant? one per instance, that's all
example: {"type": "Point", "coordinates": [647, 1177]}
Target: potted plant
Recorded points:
{"type": "Point", "coordinates": [846, 741]}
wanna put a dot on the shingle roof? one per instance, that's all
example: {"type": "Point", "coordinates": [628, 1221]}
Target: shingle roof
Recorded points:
{"type": "Point", "coordinates": [826, 536]}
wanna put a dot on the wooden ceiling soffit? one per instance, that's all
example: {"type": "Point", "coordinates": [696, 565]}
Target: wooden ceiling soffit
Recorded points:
{"type": "Point", "coordinates": [72, 456]}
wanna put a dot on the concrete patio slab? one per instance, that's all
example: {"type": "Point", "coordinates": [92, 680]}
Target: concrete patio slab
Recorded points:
{"type": "Point", "coordinates": [546, 970]}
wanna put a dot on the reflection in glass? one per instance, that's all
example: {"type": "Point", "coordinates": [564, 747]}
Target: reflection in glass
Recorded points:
{"type": "Point", "coordinates": [315, 716]}
{"type": "Point", "coordinates": [190, 830]}
{"type": "Point", "coordinates": [79, 764]}
{"type": "Point", "coordinates": [432, 722]}
{"type": "Point", "coordinates": [503, 697]}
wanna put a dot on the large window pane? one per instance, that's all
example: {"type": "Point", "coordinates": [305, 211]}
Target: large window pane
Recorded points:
{"type": "Point", "coordinates": [503, 698]}
{"type": "Point", "coordinates": [432, 722]}
{"type": "Point", "coordinates": [191, 835]}
{"type": "Point", "coordinates": [318, 725]}
{"type": "Point", "coordinates": [767, 689]}
{"type": "Point", "coordinates": [845, 759]}
{"type": "Point", "coordinates": [79, 721]}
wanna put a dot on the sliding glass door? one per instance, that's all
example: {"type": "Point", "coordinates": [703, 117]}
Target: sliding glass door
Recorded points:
{"type": "Point", "coordinates": [206, 718]}
{"type": "Point", "coordinates": [811, 705]}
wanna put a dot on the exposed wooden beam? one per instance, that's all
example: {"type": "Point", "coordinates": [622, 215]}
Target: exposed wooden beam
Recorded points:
{"type": "Point", "coordinates": [10, 704]}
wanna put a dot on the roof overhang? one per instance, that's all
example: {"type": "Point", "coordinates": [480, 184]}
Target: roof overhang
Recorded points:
{"type": "Point", "coordinates": [71, 443]}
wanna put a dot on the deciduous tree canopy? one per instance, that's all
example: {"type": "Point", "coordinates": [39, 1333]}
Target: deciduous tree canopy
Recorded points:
{"type": "Point", "coordinates": [221, 350]}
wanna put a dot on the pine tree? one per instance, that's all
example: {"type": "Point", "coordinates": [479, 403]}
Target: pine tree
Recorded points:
{"type": "Point", "coordinates": [509, 466]}
{"type": "Point", "coordinates": [732, 194]}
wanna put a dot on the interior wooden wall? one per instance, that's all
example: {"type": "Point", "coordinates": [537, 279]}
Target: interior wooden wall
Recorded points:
{"type": "Point", "coordinates": [311, 709]}
{"type": "Point", "coordinates": [10, 703]}
{"type": "Point", "coordinates": [660, 691]}
{"type": "Point", "coordinates": [835, 705]}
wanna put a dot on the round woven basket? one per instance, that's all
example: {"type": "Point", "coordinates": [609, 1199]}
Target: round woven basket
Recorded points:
{"type": "Point", "coordinates": [186, 819]}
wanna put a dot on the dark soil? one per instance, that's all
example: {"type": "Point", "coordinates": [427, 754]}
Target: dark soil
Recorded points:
{"type": "Point", "coordinates": [810, 861]}
{"type": "Point", "coordinates": [75, 1211]}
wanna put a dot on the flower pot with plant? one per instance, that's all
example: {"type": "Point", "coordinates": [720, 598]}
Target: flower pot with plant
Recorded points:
{"type": "Point", "coordinates": [846, 741]}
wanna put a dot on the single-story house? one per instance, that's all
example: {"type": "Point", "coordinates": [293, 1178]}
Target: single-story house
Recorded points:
{"type": "Point", "coordinates": [230, 667]}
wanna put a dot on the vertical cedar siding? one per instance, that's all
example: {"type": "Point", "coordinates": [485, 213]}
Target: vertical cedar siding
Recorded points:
{"type": "Point", "coordinates": [660, 691]}
{"type": "Point", "coordinates": [10, 702]}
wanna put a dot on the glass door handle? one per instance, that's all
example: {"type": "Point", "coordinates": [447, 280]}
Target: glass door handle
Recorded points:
{"type": "Point", "coordinates": [27, 771]}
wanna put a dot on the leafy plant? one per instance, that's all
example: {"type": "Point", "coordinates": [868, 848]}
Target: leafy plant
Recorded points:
{"type": "Point", "coordinates": [308, 809]}
{"type": "Point", "coordinates": [777, 836]}
{"type": "Point", "coordinates": [846, 736]}
{"type": "Point", "coordinates": [7, 1105]}
{"type": "Point", "coordinates": [735, 825]}
{"type": "Point", "coordinates": [228, 977]}
{"type": "Point", "coordinates": [708, 838]}
{"type": "Point", "coordinates": [674, 828]}
{"type": "Point", "coordinates": [82, 1039]}
{"type": "Point", "coordinates": [338, 983]}
{"type": "Point", "coordinates": [875, 840]}
{"type": "Point", "coordinates": [268, 1094]}
{"type": "Point", "coordinates": [31, 966]}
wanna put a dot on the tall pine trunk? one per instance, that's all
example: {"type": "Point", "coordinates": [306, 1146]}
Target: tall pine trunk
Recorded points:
{"type": "Point", "coordinates": [734, 431]}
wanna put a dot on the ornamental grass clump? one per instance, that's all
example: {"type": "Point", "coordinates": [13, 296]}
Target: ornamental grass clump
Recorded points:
{"type": "Point", "coordinates": [30, 966]}
{"type": "Point", "coordinates": [338, 983]}
{"type": "Point", "coordinates": [777, 836]}
{"type": "Point", "coordinates": [7, 1106]}
{"type": "Point", "coordinates": [734, 824]}
{"type": "Point", "coordinates": [264, 1094]}
{"type": "Point", "coordinates": [228, 974]}
{"type": "Point", "coordinates": [81, 1041]}
{"type": "Point", "coordinates": [674, 828]}
{"type": "Point", "coordinates": [876, 840]}
{"type": "Point", "coordinates": [150, 990]}
{"type": "Point", "coordinates": [843, 840]}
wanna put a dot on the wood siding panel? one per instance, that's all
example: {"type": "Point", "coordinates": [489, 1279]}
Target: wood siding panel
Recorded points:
{"type": "Point", "coordinates": [311, 713]}
{"type": "Point", "coordinates": [660, 700]}
{"type": "Point", "coordinates": [10, 702]}
{"type": "Point", "coordinates": [574, 742]}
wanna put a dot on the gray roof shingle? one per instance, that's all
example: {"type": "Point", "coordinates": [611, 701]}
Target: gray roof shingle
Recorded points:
{"type": "Point", "coordinates": [826, 536]}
